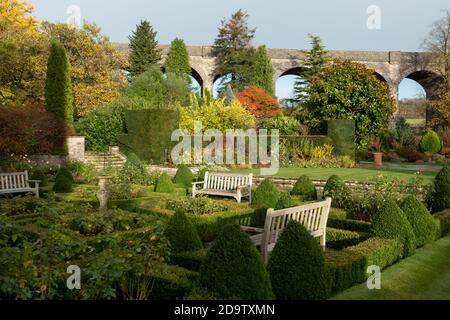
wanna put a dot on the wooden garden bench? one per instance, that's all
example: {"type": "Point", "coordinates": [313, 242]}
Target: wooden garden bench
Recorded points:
{"type": "Point", "coordinates": [313, 216]}
{"type": "Point", "coordinates": [17, 182]}
{"type": "Point", "coordinates": [237, 186]}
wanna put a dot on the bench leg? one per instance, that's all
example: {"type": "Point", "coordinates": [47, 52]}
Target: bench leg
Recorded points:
{"type": "Point", "coordinates": [323, 242]}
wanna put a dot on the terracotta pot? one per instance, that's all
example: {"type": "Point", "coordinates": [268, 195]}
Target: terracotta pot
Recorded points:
{"type": "Point", "coordinates": [378, 159]}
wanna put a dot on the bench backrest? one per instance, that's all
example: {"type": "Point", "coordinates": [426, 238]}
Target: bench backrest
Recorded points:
{"type": "Point", "coordinates": [313, 217]}
{"type": "Point", "coordinates": [226, 181]}
{"type": "Point", "coordinates": [13, 181]}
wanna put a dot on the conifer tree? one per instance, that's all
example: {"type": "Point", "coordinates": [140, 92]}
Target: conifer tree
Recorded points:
{"type": "Point", "coordinates": [315, 60]}
{"type": "Point", "coordinates": [58, 85]}
{"type": "Point", "coordinates": [178, 60]}
{"type": "Point", "coordinates": [144, 51]}
{"type": "Point", "coordinates": [262, 75]}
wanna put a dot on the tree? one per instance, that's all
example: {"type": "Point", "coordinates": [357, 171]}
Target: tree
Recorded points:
{"type": "Point", "coordinates": [349, 90]}
{"type": "Point", "coordinates": [259, 102]}
{"type": "Point", "coordinates": [58, 85]}
{"type": "Point", "coordinates": [144, 50]}
{"type": "Point", "coordinates": [23, 55]}
{"type": "Point", "coordinates": [233, 51]}
{"type": "Point", "coordinates": [262, 71]}
{"type": "Point", "coordinates": [178, 60]}
{"type": "Point", "coordinates": [438, 43]}
{"type": "Point", "coordinates": [315, 60]}
{"type": "Point", "coordinates": [95, 64]}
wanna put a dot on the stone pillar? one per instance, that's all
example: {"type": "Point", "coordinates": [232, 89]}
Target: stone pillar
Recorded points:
{"type": "Point", "coordinates": [75, 148]}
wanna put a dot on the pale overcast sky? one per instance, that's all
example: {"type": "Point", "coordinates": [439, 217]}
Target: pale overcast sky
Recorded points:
{"type": "Point", "coordinates": [280, 24]}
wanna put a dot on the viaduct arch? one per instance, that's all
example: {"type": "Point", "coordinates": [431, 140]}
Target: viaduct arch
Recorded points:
{"type": "Point", "coordinates": [389, 66]}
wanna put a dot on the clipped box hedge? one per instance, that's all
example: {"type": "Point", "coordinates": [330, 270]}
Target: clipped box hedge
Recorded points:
{"type": "Point", "coordinates": [338, 239]}
{"type": "Point", "coordinates": [348, 224]}
{"type": "Point", "coordinates": [170, 282]}
{"type": "Point", "coordinates": [190, 260]}
{"type": "Point", "coordinates": [443, 219]}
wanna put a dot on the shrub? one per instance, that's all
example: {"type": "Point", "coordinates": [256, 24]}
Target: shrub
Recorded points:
{"type": "Point", "coordinates": [440, 194]}
{"type": "Point", "coordinates": [38, 174]}
{"type": "Point", "coordinates": [184, 176]}
{"type": "Point", "coordinates": [348, 224]}
{"type": "Point", "coordinates": [431, 142]}
{"type": "Point", "coordinates": [198, 206]}
{"type": "Point", "coordinates": [266, 195]}
{"type": "Point", "coordinates": [233, 268]}
{"type": "Point", "coordinates": [102, 126]}
{"type": "Point", "coordinates": [422, 223]}
{"type": "Point", "coordinates": [190, 260]}
{"type": "Point", "coordinates": [182, 234]}
{"type": "Point", "coordinates": [443, 219]}
{"type": "Point", "coordinates": [344, 269]}
{"type": "Point", "coordinates": [134, 171]}
{"type": "Point", "coordinates": [164, 184]}
{"type": "Point", "coordinates": [64, 171]}
{"type": "Point", "coordinates": [297, 265]}
{"type": "Point", "coordinates": [339, 239]}
{"type": "Point", "coordinates": [149, 133]}
{"type": "Point", "coordinates": [336, 189]}
{"type": "Point", "coordinates": [63, 184]}
{"type": "Point", "coordinates": [305, 188]}
{"type": "Point", "coordinates": [29, 130]}
{"type": "Point", "coordinates": [378, 251]}
{"type": "Point", "coordinates": [259, 102]}
{"type": "Point", "coordinates": [86, 171]}
{"type": "Point", "coordinates": [285, 201]}
{"type": "Point", "coordinates": [391, 223]}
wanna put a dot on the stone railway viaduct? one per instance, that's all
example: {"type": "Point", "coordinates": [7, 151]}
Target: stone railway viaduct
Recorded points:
{"type": "Point", "coordinates": [389, 66]}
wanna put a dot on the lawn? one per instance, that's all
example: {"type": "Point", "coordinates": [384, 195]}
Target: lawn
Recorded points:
{"type": "Point", "coordinates": [424, 276]}
{"type": "Point", "coordinates": [352, 174]}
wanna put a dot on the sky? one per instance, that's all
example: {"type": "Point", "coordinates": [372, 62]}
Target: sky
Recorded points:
{"type": "Point", "coordinates": [372, 25]}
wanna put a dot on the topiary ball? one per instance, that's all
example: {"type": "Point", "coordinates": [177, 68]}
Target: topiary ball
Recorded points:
{"type": "Point", "coordinates": [233, 268]}
{"type": "Point", "coordinates": [266, 195]}
{"type": "Point", "coordinates": [184, 176]}
{"type": "Point", "coordinates": [164, 184]}
{"type": "Point", "coordinates": [63, 184]}
{"type": "Point", "coordinates": [431, 143]}
{"type": "Point", "coordinates": [38, 174]}
{"type": "Point", "coordinates": [285, 201]}
{"type": "Point", "coordinates": [390, 222]}
{"type": "Point", "coordinates": [65, 172]}
{"type": "Point", "coordinates": [422, 223]}
{"type": "Point", "coordinates": [440, 194]}
{"type": "Point", "coordinates": [182, 234]}
{"type": "Point", "coordinates": [297, 265]}
{"type": "Point", "coordinates": [305, 188]}
{"type": "Point", "coordinates": [336, 189]}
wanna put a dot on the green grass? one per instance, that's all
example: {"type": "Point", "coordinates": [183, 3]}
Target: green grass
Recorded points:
{"type": "Point", "coordinates": [424, 276]}
{"type": "Point", "coordinates": [349, 174]}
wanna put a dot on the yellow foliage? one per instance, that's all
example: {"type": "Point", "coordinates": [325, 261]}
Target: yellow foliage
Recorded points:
{"type": "Point", "coordinates": [216, 115]}
{"type": "Point", "coordinates": [19, 14]}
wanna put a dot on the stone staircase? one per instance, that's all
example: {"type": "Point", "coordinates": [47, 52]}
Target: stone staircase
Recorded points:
{"type": "Point", "coordinates": [103, 160]}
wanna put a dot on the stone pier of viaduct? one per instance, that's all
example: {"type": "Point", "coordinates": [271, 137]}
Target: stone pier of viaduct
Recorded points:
{"type": "Point", "coordinates": [389, 66]}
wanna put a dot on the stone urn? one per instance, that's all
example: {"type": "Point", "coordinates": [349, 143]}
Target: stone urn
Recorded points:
{"type": "Point", "coordinates": [378, 159]}
{"type": "Point", "coordinates": [103, 193]}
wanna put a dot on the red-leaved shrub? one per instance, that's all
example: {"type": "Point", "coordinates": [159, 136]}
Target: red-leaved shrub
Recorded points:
{"type": "Point", "coordinates": [260, 103]}
{"type": "Point", "coordinates": [30, 130]}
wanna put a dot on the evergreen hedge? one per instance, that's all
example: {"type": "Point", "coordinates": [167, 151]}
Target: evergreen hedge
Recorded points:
{"type": "Point", "coordinates": [184, 176]}
{"type": "Point", "coordinates": [182, 235]}
{"type": "Point", "coordinates": [305, 188]}
{"type": "Point", "coordinates": [266, 195]}
{"type": "Point", "coordinates": [164, 184]}
{"type": "Point", "coordinates": [440, 195]}
{"type": "Point", "coordinates": [336, 189]}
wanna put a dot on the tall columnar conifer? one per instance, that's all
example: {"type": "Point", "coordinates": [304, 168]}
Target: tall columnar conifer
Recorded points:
{"type": "Point", "coordinates": [178, 59]}
{"type": "Point", "coordinates": [58, 85]}
{"type": "Point", "coordinates": [263, 72]}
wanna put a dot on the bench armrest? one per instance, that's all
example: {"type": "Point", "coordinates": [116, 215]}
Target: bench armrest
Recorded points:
{"type": "Point", "coordinates": [36, 182]}
{"type": "Point", "coordinates": [252, 229]}
{"type": "Point", "coordinates": [198, 183]}
{"type": "Point", "coordinates": [247, 186]}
